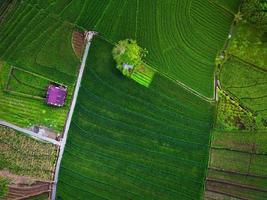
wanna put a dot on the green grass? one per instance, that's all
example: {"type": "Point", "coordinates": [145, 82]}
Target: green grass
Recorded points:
{"type": "Point", "coordinates": [231, 116]}
{"type": "Point", "coordinates": [182, 43]}
{"type": "Point", "coordinates": [35, 41]}
{"type": "Point", "coordinates": [27, 83]}
{"type": "Point", "coordinates": [247, 83]}
{"type": "Point", "coordinates": [22, 155]}
{"type": "Point", "coordinates": [250, 44]}
{"type": "Point", "coordinates": [133, 142]}
{"type": "Point", "coordinates": [241, 141]}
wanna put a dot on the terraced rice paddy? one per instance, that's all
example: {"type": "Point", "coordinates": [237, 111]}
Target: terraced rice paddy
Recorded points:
{"type": "Point", "coordinates": [182, 43]}
{"type": "Point", "coordinates": [237, 165]}
{"type": "Point", "coordinates": [22, 155]}
{"type": "Point", "coordinates": [126, 141]}
{"type": "Point", "coordinates": [32, 40]}
{"type": "Point", "coordinates": [131, 142]}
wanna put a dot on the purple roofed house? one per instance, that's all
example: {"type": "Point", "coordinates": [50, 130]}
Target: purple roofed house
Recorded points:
{"type": "Point", "coordinates": [56, 95]}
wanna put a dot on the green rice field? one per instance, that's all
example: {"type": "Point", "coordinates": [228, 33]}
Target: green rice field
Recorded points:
{"type": "Point", "coordinates": [182, 43]}
{"type": "Point", "coordinates": [126, 141]}
{"type": "Point", "coordinates": [131, 142]}
{"type": "Point", "coordinates": [40, 44]}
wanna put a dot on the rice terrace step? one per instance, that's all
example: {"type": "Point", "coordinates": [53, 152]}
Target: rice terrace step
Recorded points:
{"type": "Point", "coordinates": [133, 99]}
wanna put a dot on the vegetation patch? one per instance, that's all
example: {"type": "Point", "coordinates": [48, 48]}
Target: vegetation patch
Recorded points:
{"type": "Point", "coordinates": [249, 44]}
{"type": "Point", "coordinates": [231, 116]}
{"type": "Point", "coordinates": [129, 59]}
{"type": "Point", "coordinates": [3, 186]}
{"type": "Point", "coordinates": [128, 55]}
{"type": "Point", "coordinates": [23, 155]}
{"type": "Point", "coordinates": [24, 83]}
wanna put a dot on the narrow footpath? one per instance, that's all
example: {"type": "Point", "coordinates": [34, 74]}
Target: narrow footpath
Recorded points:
{"type": "Point", "coordinates": [30, 133]}
{"type": "Point", "coordinates": [89, 37]}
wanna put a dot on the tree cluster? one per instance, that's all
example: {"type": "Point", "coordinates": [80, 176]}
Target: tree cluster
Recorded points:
{"type": "Point", "coordinates": [255, 12]}
{"type": "Point", "coordinates": [127, 52]}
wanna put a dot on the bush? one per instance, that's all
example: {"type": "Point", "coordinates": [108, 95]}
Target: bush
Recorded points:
{"type": "Point", "coordinates": [3, 186]}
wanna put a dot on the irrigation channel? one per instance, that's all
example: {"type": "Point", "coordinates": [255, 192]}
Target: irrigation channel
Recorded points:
{"type": "Point", "coordinates": [88, 38]}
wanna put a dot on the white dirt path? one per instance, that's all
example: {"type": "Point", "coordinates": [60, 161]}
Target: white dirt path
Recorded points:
{"type": "Point", "coordinates": [89, 37]}
{"type": "Point", "coordinates": [30, 133]}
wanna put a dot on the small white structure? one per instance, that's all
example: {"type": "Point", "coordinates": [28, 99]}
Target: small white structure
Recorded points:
{"type": "Point", "coordinates": [127, 67]}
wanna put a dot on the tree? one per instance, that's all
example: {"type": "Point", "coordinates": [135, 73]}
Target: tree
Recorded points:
{"type": "Point", "coordinates": [255, 12]}
{"type": "Point", "coordinates": [128, 53]}
{"type": "Point", "coordinates": [3, 187]}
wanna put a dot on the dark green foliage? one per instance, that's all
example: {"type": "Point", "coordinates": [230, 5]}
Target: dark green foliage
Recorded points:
{"type": "Point", "coordinates": [255, 12]}
{"type": "Point", "coordinates": [3, 186]}
{"type": "Point", "coordinates": [131, 142]}
{"type": "Point", "coordinates": [249, 44]}
{"type": "Point", "coordinates": [231, 116]}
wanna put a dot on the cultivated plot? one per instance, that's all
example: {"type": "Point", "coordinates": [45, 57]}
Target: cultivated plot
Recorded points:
{"type": "Point", "coordinates": [39, 45]}
{"type": "Point", "coordinates": [182, 42]}
{"type": "Point", "coordinates": [131, 142]}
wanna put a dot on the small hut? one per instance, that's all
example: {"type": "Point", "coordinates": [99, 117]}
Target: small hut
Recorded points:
{"type": "Point", "coordinates": [56, 95]}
